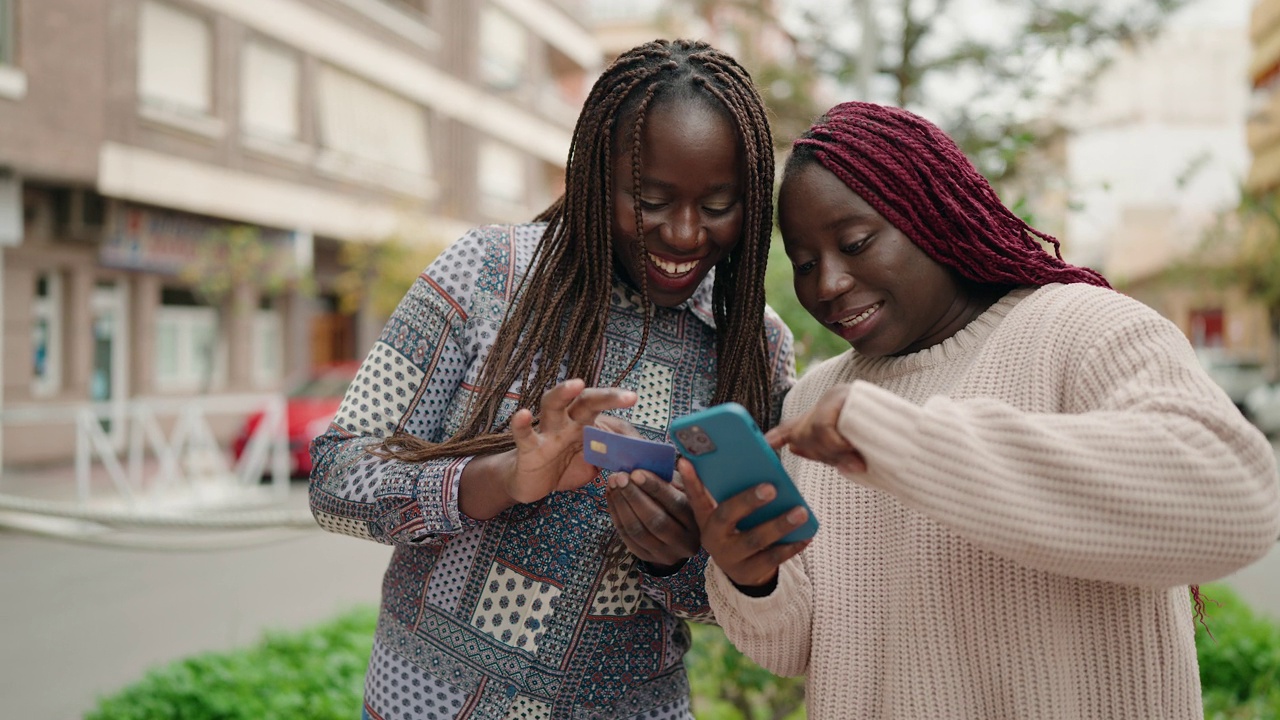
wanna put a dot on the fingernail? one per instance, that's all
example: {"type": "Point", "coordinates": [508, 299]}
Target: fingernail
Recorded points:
{"type": "Point", "coordinates": [764, 492]}
{"type": "Point", "coordinates": [620, 481]}
{"type": "Point", "coordinates": [797, 515]}
{"type": "Point", "coordinates": [638, 479]}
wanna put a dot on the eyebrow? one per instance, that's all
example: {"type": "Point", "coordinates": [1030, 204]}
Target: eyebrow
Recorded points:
{"type": "Point", "coordinates": [662, 185]}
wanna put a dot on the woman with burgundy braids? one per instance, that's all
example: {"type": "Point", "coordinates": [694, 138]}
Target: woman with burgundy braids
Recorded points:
{"type": "Point", "coordinates": [1018, 470]}
{"type": "Point", "coordinates": [636, 298]}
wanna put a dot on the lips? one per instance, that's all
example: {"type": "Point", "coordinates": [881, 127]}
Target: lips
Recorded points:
{"type": "Point", "coordinates": [675, 270]}
{"type": "Point", "coordinates": [857, 316]}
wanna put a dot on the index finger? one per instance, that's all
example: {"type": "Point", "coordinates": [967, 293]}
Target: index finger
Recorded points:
{"type": "Point", "coordinates": [700, 500]}
{"type": "Point", "coordinates": [592, 401]}
{"type": "Point", "coordinates": [780, 434]}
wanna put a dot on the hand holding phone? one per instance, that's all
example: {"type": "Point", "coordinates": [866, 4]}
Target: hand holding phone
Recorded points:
{"type": "Point", "coordinates": [730, 455]}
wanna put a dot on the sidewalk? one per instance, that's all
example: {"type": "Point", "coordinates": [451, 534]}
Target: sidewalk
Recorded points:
{"type": "Point", "coordinates": [81, 620]}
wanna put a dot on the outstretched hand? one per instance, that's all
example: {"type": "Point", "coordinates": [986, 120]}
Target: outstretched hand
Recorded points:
{"type": "Point", "coordinates": [815, 435]}
{"type": "Point", "coordinates": [749, 557]}
{"type": "Point", "coordinates": [549, 452]}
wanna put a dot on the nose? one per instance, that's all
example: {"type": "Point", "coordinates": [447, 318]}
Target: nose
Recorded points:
{"type": "Point", "coordinates": [683, 230]}
{"type": "Point", "coordinates": [833, 281]}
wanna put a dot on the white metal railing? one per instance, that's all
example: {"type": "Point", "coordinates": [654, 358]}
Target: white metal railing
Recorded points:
{"type": "Point", "coordinates": [188, 457]}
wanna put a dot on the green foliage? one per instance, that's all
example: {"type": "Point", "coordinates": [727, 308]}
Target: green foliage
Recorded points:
{"type": "Point", "coordinates": [316, 674]}
{"type": "Point", "coordinates": [239, 254]}
{"type": "Point", "coordinates": [728, 686]}
{"type": "Point", "coordinates": [814, 342]}
{"type": "Point", "coordinates": [1240, 664]}
{"type": "Point", "coordinates": [380, 273]}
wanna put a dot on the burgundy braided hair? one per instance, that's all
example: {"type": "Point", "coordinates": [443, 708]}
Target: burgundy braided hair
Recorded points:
{"type": "Point", "coordinates": [918, 179]}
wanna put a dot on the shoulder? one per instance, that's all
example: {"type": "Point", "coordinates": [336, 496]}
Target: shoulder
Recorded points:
{"type": "Point", "coordinates": [486, 253]}
{"type": "Point", "coordinates": [776, 332]}
{"type": "Point", "coordinates": [1081, 303]}
{"type": "Point", "coordinates": [1084, 313]}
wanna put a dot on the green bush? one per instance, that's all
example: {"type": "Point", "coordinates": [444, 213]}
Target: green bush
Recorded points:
{"type": "Point", "coordinates": [728, 686]}
{"type": "Point", "coordinates": [1240, 663]}
{"type": "Point", "coordinates": [318, 674]}
{"type": "Point", "coordinates": [315, 674]}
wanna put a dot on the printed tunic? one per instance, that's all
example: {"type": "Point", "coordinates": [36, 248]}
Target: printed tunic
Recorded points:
{"type": "Point", "coordinates": [519, 616]}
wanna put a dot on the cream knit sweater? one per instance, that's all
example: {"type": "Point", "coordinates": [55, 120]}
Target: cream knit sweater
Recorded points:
{"type": "Point", "coordinates": [1040, 490]}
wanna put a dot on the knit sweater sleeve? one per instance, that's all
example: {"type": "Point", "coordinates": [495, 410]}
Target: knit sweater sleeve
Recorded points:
{"type": "Point", "coordinates": [1146, 474]}
{"type": "Point", "coordinates": [774, 630]}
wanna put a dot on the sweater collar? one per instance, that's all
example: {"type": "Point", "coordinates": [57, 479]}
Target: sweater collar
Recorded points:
{"type": "Point", "coordinates": [963, 343]}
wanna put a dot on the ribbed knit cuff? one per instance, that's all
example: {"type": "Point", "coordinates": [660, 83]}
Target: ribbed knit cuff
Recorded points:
{"type": "Point", "coordinates": [763, 614]}
{"type": "Point", "coordinates": [879, 423]}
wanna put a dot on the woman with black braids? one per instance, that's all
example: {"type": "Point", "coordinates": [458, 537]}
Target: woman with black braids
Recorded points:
{"type": "Point", "coordinates": [637, 297]}
{"type": "Point", "coordinates": [1018, 470]}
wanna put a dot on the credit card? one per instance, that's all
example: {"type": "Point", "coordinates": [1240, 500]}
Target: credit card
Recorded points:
{"type": "Point", "coordinates": [623, 453]}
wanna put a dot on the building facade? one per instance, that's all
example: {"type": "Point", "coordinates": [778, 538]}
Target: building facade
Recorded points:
{"type": "Point", "coordinates": [140, 138]}
{"type": "Point", "coordinates": [1155, 162]}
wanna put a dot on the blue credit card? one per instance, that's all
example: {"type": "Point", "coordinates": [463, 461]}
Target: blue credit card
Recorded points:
{"type": "Point", "coordinates": [623, 453]}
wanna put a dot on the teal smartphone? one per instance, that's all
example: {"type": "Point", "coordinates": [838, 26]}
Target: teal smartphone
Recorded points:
{"type": "Point", "coordinates": [731, 455]}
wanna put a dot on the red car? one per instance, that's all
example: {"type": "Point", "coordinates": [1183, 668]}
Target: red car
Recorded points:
{"type": "Point", "coordinates": [310, 407]}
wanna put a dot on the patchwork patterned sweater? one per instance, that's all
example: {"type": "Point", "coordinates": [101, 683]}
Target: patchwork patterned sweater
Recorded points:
{"type": "Point", "coordinates": [516, 617]}
{"type": "Point", "coordinates": [1040, 490]}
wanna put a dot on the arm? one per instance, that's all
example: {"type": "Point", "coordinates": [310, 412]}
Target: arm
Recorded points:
{"type": "Point", "coordinates": [759, 589]}
{"type": "Point", "coordinates": [1149, 477]}
{"type": "Point", "coordinates": [407, 381]}
{"type": "Point", "coordinates": [774, 630]}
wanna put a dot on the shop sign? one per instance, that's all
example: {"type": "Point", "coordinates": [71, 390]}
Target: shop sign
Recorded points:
{"type": "Point", "coordinates": [171, 243]}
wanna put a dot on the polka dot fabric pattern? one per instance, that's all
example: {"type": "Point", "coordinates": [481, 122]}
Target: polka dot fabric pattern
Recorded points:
{"type": "Point", "coordinates": [516, 617]}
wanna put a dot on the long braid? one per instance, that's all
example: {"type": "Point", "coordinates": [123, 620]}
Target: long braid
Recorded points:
{"type": "Point", "coordinates": [570, 277]}
{"type": "Point", "coordinates": [918, 179]}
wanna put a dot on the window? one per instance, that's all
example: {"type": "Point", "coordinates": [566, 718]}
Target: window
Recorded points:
{"type": "Point", "coordinates": [6, 32]}
{"type": "Point", "coordinates": [504, 50]}
{"type": "Point", "coordinates": [13, 82]}
{"type": "Point", "coordinates": [268, 361]}
{"type": "Point", "coordinates": [188, 355]}
{"type": "Point", "coordinates": [46, 335]}
{"type": "Point", "coordinates": [175, 50]}
{"type": "Point", "coordinates": [366, 130]}
{"type": "Point", "coordinates": [1207, 327]}
{"type": "Point", "coordinates": [269, 76]}
{"type": "Point", "coordinates": [501, 172]}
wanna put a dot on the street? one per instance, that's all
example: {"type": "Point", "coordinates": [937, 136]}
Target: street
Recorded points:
{"type": "Point", "coordinates": [78, 621]}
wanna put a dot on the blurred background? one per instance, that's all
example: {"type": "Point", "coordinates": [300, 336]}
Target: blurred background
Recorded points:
{"type": "Point", "coordinates": [208, 208]}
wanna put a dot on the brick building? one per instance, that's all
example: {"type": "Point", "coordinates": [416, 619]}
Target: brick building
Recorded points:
{"type": "Point", "coordinates": [133, 131]}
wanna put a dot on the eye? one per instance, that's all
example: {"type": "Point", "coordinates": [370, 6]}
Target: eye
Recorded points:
{"type": "Point", "coordinates": [856, 246]}
{"type": "Point", "coordinates": [803, 268]}
{"type": "Point", "coordinates": [720, 208]}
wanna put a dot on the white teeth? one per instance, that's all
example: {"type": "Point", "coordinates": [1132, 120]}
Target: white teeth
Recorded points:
{"type": "Point", "coordinates": [674, 269]}
{"type": "Point", "coordinates": [850, 322]}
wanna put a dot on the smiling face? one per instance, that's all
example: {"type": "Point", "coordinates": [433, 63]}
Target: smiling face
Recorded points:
{"type": "Point", "coordinates": [862, 278]}
{"type": "Point", "coordinates": [690, 192]}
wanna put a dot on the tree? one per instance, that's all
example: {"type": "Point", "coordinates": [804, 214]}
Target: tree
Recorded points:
{"type": "Point", "coordinates": [987, 81]}
{"type": "Point", "coordinates": [233, 267]}
{"type": "Point", "coordinates": [976, 67]}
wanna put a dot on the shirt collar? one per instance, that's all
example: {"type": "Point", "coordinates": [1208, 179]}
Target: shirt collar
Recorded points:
{"type": "Point", "coordinates": [699, 304]}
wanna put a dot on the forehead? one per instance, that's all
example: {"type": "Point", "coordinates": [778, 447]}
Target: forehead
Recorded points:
{"type": "Point", "coordinates": [813, 201]}
{"type": "Point", "coordinates": [685, 117]}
